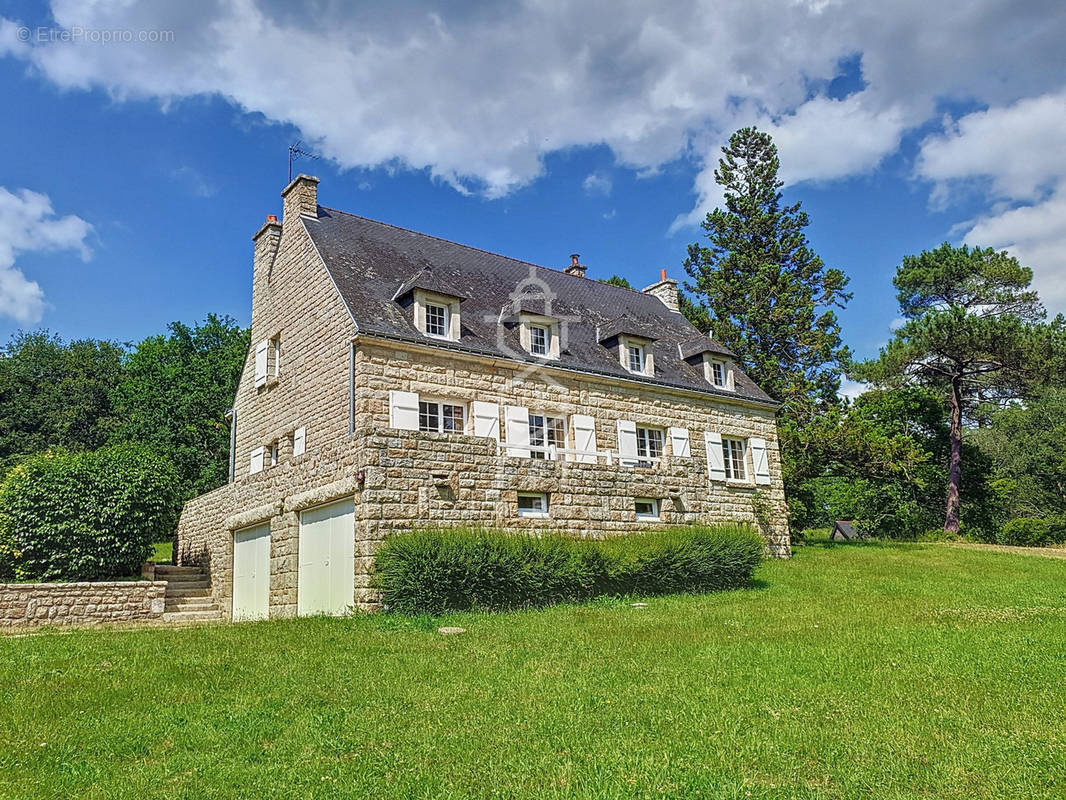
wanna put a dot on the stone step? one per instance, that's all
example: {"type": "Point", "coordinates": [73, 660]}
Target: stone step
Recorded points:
{"type": "Point", "coordinates": [169, 569]}
{"type": "Point", "coordinates": [185, 581]}
{"type": "Point", "coordinates": [184, 604]}
{"type": "Point", "coordinates": [177, 591]}
{"type": "Point", "coordinates": [191, 616]}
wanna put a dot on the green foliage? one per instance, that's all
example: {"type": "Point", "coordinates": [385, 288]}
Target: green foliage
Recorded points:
{"type": "Point", "coordinates": [54, 394]}
{"type": "Point", "coordinates": [432, 571]}
{"type": "Point", "coordinates": [769, 297]}
{"type": "Point", "coordinates": [617, 280]}
{"type": "Point", "coordinates": [1032, 532]}
{"type": "Point", "coordinates": [972, 334]}
{"type": "Point", "coordinates": [1024, 443]}
{"type": "Point", "coordinates": [174, 395]}
{"type": "Point", "coordinates": [84, 516]}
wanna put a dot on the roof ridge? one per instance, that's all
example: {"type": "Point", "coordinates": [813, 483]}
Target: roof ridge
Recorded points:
{"type": "Point", "coordinates": [483, 250]}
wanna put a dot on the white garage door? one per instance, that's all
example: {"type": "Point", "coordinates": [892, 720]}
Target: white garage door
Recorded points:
{"type": "Point", "coordinates": [251, 573]}
{"type": "Point", "coordinates": [326, 581]}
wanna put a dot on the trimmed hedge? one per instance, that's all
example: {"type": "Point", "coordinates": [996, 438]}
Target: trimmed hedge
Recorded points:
{"type": "Point", "coordinates": [456, 569]}
{"type": "Point", "coordinates": [84, 516]}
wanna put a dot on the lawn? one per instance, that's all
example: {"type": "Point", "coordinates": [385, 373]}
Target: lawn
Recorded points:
{"type": "Point", "coordinates": [865, 670]}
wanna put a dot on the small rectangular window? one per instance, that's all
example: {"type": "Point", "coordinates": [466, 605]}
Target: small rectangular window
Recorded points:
{"type": "Point", "coordinates": [636, 358]}
{"type": "Point", "coordinates": [274, 454]}
{"type": "Point", "coordinates": [733, 457]}
{"type": "Point", "coordinates": [435, 417]}
{"type": "Point", "coordinates": [277, 356]}
{"type": "Point", "coordinates": [646, 508]}
{"type": "Point", "coordinates": [436, 320]}
{"type": "Point", "coordinates": [718, 374]}
{"type": "Point", "coordinates": [532, 504]}
{"type": "Point", "coordinates": [649, 445]}
{"type": "Point", "coordinates": [539, 340]}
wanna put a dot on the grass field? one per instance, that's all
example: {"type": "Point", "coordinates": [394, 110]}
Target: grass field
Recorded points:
{"type": "Point", "coordinates": [869, 670]}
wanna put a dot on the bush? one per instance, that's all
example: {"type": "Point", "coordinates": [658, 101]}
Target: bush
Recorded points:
{"type": "Point", "coordinates": [1031, 532]}
{"type": "Point", "coordinates": [85, 516]}
{"type": "Point", "coordinates": [452, 569]}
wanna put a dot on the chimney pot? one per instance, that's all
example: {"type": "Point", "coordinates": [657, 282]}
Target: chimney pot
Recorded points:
{"type": "Point", "coordinates": [576, 268]}
{"type": "Point", "coordinates": [662, 274]}
{"type": "Point", "coordinates": [272, 218]}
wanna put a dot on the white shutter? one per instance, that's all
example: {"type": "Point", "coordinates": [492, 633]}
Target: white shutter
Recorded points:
{"type": "Point", "coordinates": [627, 443]}
{"type": "Point", "coordinates": [403, 410]}
{"type": "Point", "coordinates": [517, 421]}
{"type": "Point", "coordinates": [715, 456]}
{"type": "Point", "coordinates": [256, 464]}
{"type": "Point", "coordinates": [261, 351]}
{"type": "Point", "coordinates": [299, 441]}
{"type": "Point", "coordinates": [759, 460]}
{"type": "Point", "coordinates": [486, 419]}
{"type": "Point", "coordinates": [679, 442]}
{"type": "Point", "coordinates": [585, 438]}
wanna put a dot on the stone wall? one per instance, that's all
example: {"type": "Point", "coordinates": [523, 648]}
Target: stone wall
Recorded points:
{"type": "Point", "coordinates": [34, 604]}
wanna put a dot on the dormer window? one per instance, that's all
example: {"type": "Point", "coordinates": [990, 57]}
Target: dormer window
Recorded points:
{"type": "Point", "coordinates": [719, 373]}
{"type": "Point", "coordinates": [437, 315]}
{"type": "Point", "coordinates": [539, 335]}
{"type": "Point", "coordinates": [635, 355]}
{"type": "Point", "coordinates": [436, 320]}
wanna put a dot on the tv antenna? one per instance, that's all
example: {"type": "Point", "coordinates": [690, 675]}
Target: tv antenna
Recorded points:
{"type": "Point", "coordinates": [296, 151]}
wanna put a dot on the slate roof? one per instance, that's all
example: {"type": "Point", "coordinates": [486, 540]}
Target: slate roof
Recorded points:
{"type": "Point", "coordinates": [373, 262]}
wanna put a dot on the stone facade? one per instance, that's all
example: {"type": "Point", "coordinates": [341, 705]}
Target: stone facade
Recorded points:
{"type": "Point", "coordinates": [334, 384]}
{"type": "Point", "coordinates": [35, 604]}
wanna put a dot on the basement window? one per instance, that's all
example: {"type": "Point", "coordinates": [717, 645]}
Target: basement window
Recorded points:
{"type": "Point", "coordinates": [646, 508]}
{"type": "Point", "coordinates": [532, 504]}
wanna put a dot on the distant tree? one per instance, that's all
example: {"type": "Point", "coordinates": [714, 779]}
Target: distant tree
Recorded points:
{"type": "Point", "coordinates": [769, 297]}
{"type": "Point", "coordinates": [695, 312]}
{"type": "Point", "coordinates": [617, 280]}
{"type": "Point", "coordinates": [1025, 443]}
{"type": "Point", "coordinates": [174, 396]}
{"type": "Point", "coordinates": [54, 394]}
{"type": "Point", "coordinates": [973, 334]}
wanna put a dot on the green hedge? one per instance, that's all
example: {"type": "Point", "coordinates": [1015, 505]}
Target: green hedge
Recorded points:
{"type": "Point", "coordinates": [450, 569]}
{"type": "Point", "coordinates": [85, 516]}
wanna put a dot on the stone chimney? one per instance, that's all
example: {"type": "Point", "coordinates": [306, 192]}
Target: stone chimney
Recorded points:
{"type": "Point", "coordinates": [301, 197]}
{"type": "Point", "coordinates": [665, 290]}
{"type": "Point", "coordinates": [266, 239]}
{"type": "Point", "coordinates": [576, 268]}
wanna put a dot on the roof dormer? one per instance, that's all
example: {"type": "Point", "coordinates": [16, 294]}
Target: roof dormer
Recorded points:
{"type": "Point", "coordinates": [435, 307]}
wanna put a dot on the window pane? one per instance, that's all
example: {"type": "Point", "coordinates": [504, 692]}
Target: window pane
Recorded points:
{"type": "Point", "coordinates": [538, 340]}
{"type": "Point", "coordinates": [453, 419]}
{"type": "Point", "coordinates": [536, 435]}
{"type": "Point", "coordinates": [556, 431]}
{"type": "Point", "coordinates": [636, 359]}
{"type": "Point", "coordinates": [532, 504]}
{"type": "Point", "coordinates": [718, 373]}
{"type": "Point", "coordinates": [646, 508]}
{"type": "Point", "coordinates": [436, 320]}
{"type": "Point", "coordinates": [428, 416]}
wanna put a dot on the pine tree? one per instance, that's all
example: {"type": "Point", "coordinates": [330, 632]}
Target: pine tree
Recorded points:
{"type": "Point", "coordinates": [770, 298]}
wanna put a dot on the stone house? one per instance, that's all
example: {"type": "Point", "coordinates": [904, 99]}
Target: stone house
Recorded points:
{"type": "Point", "coordinates": [396, 379]}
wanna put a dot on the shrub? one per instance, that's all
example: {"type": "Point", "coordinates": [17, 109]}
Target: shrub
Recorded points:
{"type": "Point", "coordinates": [85, 516]}
{"type": "Point", "coordinates": [447, 569]}
{"type": "Point", "coordinates": [1031, 532]}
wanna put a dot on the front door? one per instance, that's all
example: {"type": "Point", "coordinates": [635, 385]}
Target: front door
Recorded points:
{"type": "Point", "coordinates": [326, 579]}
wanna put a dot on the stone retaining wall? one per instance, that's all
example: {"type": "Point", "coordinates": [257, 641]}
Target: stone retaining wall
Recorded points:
{"type": "Point", "coordinates": [34, 604]}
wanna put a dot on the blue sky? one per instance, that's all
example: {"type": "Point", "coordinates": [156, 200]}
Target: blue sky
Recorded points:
{"type": "Point", "coordinates": [150, 171]}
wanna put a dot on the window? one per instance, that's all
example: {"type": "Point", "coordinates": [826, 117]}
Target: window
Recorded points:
{"type": "Point", "coordinates": [718, 374]}
{"type": "Point", "coordinates": [437, 320]}
{"type": "Point", "coordinates": [545, 432]}
{"type": "Point", "coordinates": [441, 417]}
{"type": "Point", "coordinates": [649, 445]}
{"type": "Point", "coordinates": [539, 340]}
{"type": "Point", "coordinates": [274, 454]}
{"type": "Point", "coordinates": [532, 505]}
{"type": "Point", "coordinates": [636, 358]}
{"type": "Point", "coordinates": [277, 356]}
{"type": "Point", "coordinates": [733, 457]}
{"type": "Point", "coordinates": [646, 508]}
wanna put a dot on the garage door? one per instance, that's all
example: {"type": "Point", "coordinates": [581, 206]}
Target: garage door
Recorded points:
{"type": "Point", "coordinates": [326, 581]}
{"type": "Point", "coordinates": [251, 573]}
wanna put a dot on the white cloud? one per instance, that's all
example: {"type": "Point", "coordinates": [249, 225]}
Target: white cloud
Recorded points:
{"type": "Point", "coordinates": [1016, 156]}
{"type": "Point", "coordinates": [597, 183]}
{"type": "Point", "coordinates": [479, 94]}
{"type": "Point", "coordinates": [852, 389]}
{"type": "Point", "coordinates": [28, 224]}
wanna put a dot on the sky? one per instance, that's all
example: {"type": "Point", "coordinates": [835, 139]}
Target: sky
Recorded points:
{"type": "Point", "coordinates": [143, 144]}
